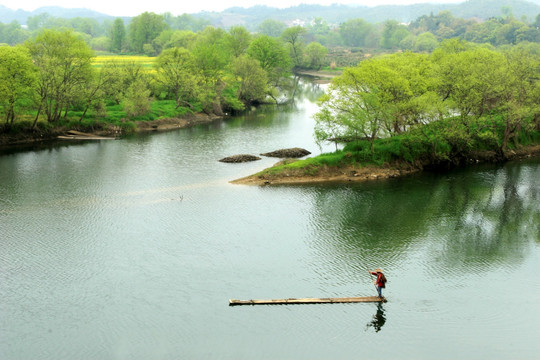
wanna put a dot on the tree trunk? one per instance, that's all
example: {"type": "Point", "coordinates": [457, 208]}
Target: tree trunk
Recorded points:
{"type": "Point", "coordinates": [37, 115]}
{"type": "Point", "coordinates": [84, 113]}
{"type": "Point", "coordinates": [216, 107]}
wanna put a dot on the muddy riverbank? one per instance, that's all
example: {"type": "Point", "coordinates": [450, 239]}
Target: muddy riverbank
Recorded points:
{"type": "Point", "coordinates": [29, 136]}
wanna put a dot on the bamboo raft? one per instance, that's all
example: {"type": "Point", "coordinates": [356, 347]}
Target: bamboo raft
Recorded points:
{"type": "Point", "coordinates": [292, 301]}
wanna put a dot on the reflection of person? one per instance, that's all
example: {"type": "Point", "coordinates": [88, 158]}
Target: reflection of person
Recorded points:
{"type": "Point", "coordinates": [378, 319]}
{"type": "Point", "coordinates": [380, 281]}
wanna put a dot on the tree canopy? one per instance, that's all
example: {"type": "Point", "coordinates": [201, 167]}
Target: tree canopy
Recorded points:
{"type": "Point", "coordinates": [489, 94]}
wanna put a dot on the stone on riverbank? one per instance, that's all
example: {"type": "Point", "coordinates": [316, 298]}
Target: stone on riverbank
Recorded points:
{"type": "Point", "coordinates": [241, 158]}
{"type": "Point", "coordinates": [288, 153]}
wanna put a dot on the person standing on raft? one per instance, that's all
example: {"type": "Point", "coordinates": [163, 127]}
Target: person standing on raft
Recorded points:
{"type": "Point", "coordinates": [380, 282]}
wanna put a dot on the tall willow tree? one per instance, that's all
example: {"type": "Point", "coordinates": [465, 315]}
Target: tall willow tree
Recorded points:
{"type": "Point", "coordinates": [64, 61]}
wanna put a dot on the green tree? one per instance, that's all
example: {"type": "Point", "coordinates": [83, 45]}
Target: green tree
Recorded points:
{"type": "Point", "coordinates": [408, 43]}
{"type": "Point", "coordinates": [354, 32]}
{"type": "Point", "coordinates": [177, 74]}
{"type": "Point", "coordinates": [13, 33]}
{"type": "Point", "coordinates": [117, 35]}
{"type": "Point", "coordinates": [314, 55]}
{"type": "Point", "coordinates": [211, 51]}
{"type": "Point", "coordinates": [392, 34]}
{"type": "Point", "coordinates": [318, 31]}
{"type": "Point", "coordinates": [186, 22]}
{"type": "Point", "coordinates": [17, 81]}
{"type": "Point", "coordinates": [238, 40]}
{"type": "Point", "coordinates": [414, 90]}
{"type": "Point", "coordinates": [520, 94]}
{"type": "Point", "coordinates": [354, 105]}
{"type": "Point", "coordinates": [382, 96]}
{"type": "Point", "coordinates": [471, 80]}
{"type": "Point", "coordinates": [272, 56]}
{"type": "Point", "coordinates": [91, 94]}
{"type": "Point", "coordinates": [182, 38]}
{"type": "Point", "coordinates": [87, 26]}
{"type": "Point", "coordinates": [398, 36]}
{"type": "Point", "coordinates": [253, 79]}
{"type": "Point", "coordinates": [293, 36]}
{"type": "Point", "coordinates": [101, 43]}
{"type": "Point", "coordinates": [119, 76]}
{"type": "Point", "coordinates": [426, 42]}
{"type": "Point", "coordinates": [137, 101]}
{"type": "Point", "coordinates": [38, 21]}
{"type": "Point", "coordinates": [143, 29]}
{"type": "Point", "coordinates": [484, 32]}
{"type": "Point", "coordinates": [271, 27]}
{"type": "Point", "coordinates": [64, 62]}
{"type": "Point", "coordinates": [212, 56]}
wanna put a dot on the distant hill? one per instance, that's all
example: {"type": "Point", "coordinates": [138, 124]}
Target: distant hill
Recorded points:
{"type": "Point", "coordinates": [333, 14]}
{"type": "Point", "coordinates": [7, 15]}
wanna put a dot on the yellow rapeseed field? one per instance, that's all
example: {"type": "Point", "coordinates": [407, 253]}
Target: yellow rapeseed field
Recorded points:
{"type": "Point", "coordinates": [146, 62]}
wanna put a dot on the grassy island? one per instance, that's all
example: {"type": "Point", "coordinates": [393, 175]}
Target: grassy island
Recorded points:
{"type": "Point", "coordinates": [401, 113]}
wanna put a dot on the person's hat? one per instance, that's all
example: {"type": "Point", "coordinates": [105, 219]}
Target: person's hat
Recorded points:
{"type": "Point", "coordinates": [378, 270]}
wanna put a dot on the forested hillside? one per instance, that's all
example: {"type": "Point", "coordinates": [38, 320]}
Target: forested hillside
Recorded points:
{"type": "Point", "coordinates": [335, 14]}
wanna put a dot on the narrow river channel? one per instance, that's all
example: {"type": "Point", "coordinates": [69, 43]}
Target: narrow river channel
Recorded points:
{"type": "Point", "coordinates": [131, 249]}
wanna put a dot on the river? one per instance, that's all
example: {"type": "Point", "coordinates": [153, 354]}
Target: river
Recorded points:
{"type": "Point", "coordinates": [131, 249]}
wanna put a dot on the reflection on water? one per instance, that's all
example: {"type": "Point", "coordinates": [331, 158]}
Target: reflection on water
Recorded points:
{"type": "Point", "coordinates": [479, 218]}
{"type": "Point", "coordinates": [378, 319]}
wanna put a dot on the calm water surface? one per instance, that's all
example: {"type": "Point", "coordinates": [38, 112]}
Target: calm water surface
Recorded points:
{"type": "Point", "coordinates": [131, 249]}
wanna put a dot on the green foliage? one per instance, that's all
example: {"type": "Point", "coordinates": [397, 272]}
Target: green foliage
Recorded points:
{"type": "Point", "coordinates": [293, 37]}
{"type": "Point", "coordinates": [392, 34]}
{"type": "Point", "coordinates": [143, 29]}
{"type": "Point", "coordinates": [270, 27]}
{"type": "Point", "coordinates": [211, 52]}
{"type": "Point", "coordinates": [314, 55]}
{"type": "Point", "coordinates": [252, 79]}
{"type": "Point", "coordinates": [238, 40]}
{"type": "Point", "coordinates": [425, 42]}
{"type": "Point", "coordinates": [177, 75]}
{"type": "Point", "coordinates": [17, 80]}
{"type": "Point", "coordinates": [64, 63]}
{"type": "Point", "coordinates": [117, 36]}
{"type": "Point", "coordinates": [400, 104]}
{"type": "Point", "coordinates": [186, 22]}
{"type": "Point", "coordinates": [137, 100]}
{"type": "Point", "coordinates": [272, 56]}
{"type": "Point", "coordinates": [354, 32]}
{"type": "Point", "coordinates": [230, 101]}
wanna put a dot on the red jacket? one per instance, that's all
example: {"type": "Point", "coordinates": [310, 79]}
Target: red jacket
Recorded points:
{"type": "Point", "coordinates": [380, 279]}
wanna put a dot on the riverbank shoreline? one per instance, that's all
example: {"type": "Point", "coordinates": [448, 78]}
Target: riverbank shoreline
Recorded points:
{"type": "Point", "coordinates": [108, 130]}
{"type": "Point", "coordinates": [353, 173]}
{"type": "Point", "coordinates": [319, 76]}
